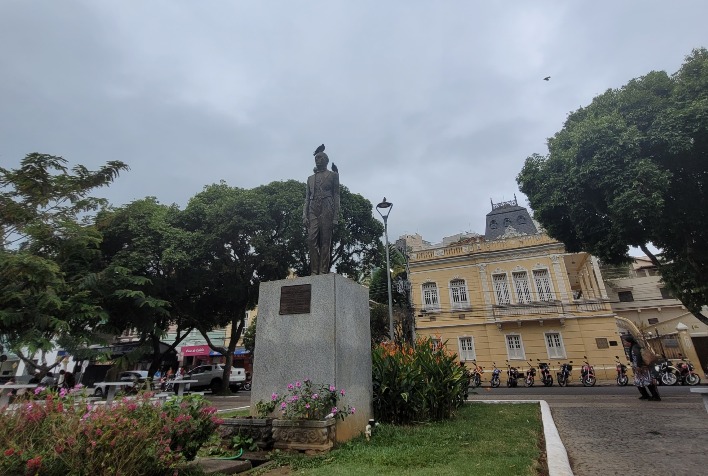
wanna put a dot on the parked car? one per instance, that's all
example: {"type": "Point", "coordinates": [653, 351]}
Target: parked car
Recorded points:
{"type": "Point", "coordinates": [210, 376]}
{"type": "Point", "coordinates": [132, 379]}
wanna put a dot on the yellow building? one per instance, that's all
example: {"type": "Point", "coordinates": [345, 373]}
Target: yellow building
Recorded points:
{"type": "Point", "coordinates": [514, 295]}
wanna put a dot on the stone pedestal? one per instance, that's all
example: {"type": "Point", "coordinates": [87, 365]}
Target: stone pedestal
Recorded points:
{"type": "Point", "coordinates": [324, 336]}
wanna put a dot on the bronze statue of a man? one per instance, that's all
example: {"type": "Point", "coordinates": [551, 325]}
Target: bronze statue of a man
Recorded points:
{"type": "Point", "coordinates": [321, 212]}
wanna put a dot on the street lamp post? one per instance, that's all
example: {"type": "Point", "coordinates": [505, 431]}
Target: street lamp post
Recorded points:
{"type": "Point", "coordinates": [387, 206]}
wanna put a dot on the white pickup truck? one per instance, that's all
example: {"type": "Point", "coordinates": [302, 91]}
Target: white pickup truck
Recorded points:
{"type": "Point", "coordinates": [211, 376]}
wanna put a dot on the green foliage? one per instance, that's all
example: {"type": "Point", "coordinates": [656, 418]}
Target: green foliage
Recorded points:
{"type": "Point", "coordinates": [630, 169]}
{"type": "Point", "coordinates": [356, 239]}
{"type": "Point", "coordinates": [418, 383]}
{"type": "Point", "coordinates": [249, 337]}
{"type": "Point", "coordinates": [245, 443]}
{"type": "Point", "coordinates": [265, 409]}
{"type": "Point", "coordinates": [494, 440]}
{"type": "Point", "coordinates": [378, 320]}
{"type": "Point", "coordinates": [49, 253]}
{"type": "Point", "coordinates": [128, 437]}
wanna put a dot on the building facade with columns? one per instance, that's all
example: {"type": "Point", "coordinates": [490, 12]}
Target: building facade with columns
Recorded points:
{"type": "Point", "coordinates": [514, 294]}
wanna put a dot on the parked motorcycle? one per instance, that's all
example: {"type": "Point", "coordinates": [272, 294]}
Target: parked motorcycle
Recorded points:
{"type": "Point", "coordinates": [687, 375]}
{"type": "Point", "coordinates": [666, 373]}
{"type": "Point", "coordinates": [587, 373]}
{"type": "Point", "coordinates": [563, 374]}
{"type": "Point", "coordinates": [530, 375]}
{"type": "Point", "coordinates": [546, 376]}
{"type": "Point", "coordinates": [476, 377]}
{"type": "Point", "coordinates": [622, 378]}
{"type": "Point", "coordinates": [512, 374]}
{"type": "Point", "coordinates": [495, 381]}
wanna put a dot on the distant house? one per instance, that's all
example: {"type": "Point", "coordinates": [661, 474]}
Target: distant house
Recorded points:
{"type": "Point", "coordinates": [637, 293]}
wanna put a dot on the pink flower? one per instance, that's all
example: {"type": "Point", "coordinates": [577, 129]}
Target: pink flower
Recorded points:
{"type": "Point", "coordinates": [315, 396]}
{"type": "Point", "coordinates": [332, 388]}
{"type": "Point", "coordinates": [38, 390]}
{"type": "Point", "coordinates": [307, 405]}
{"type": "Point", "coordinates": [353, 410]}
{"type": "Point", "coordinates": [290, 386]}
{"type": "Point", "coordinates": [274, 397]}
{"type": "Point", "coordinates": [335, 410]}
{"type": "Point", "coordinates": [298, 384]}
{"type": "Point", "coordinates": [283, 405]}
{"type": "Point", "coordinates": [341, 392]}
{"type": "Point", "coordinates": [63, 392]}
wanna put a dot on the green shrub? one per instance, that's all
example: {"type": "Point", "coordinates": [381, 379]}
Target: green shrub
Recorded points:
{"type": "Point", "coordinates": [418, 383]}
{"type": "Point", "coordinates": [129, 437]}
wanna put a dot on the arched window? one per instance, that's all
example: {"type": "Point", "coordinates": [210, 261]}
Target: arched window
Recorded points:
{"type": "Point", "coordinates": [431, 299]}
{"type": "Point", "coordinates": [501, 288]}
{"type": "Point", "coordinates": [521, 285]}
{"type": "Point", "coordinates": [543, 284]}
{"type": "Point", "coordinates": [458, 294]}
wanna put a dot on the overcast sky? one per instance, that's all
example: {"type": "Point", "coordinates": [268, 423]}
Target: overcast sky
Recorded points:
{"type": "Point", "coordinates": [433, 104]}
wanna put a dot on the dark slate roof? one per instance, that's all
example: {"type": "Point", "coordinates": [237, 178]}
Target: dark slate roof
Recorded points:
{"type": "Point", "coordinates": [507, 215]}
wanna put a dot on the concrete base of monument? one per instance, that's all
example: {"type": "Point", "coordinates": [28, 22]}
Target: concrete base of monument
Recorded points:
{"type": "Point", "coordinates": [315, 327]}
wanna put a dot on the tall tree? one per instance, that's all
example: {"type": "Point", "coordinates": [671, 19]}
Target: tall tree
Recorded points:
{"type": "Point", "coordinates": [142, 240]}
{"type": "Point", "coordinates": [48, 251]}
{"type": "Point", "coordinates": [244, 238]}
{"type": "Point", "coordinates": [631, 169]}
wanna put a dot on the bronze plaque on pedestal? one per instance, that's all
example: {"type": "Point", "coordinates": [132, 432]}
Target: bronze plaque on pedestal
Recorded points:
{"type": "Point", "coordinates": [295, 299]}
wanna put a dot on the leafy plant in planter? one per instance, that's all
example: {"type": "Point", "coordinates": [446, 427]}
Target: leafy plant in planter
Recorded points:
{"type": "Point", "coordinates": [243, 442]}
{"type": "Point", "coordinates": [305, 401]}
{"type": "Point", "coordinates": [309, 413]}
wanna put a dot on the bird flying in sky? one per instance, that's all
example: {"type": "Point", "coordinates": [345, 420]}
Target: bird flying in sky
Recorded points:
{"type": "Point", "coordinates": [547, 78]}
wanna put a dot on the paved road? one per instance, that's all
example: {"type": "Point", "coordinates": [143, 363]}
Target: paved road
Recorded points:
{"type": "Point", "coordinates": [608, 431]}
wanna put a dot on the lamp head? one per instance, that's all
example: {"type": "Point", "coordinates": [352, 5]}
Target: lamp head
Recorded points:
{"type": "Point", "coordinates": [384, 204]}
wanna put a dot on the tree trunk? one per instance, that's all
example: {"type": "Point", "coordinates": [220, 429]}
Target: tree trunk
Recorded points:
{"type": "Point", "coordinates": [236, 330]}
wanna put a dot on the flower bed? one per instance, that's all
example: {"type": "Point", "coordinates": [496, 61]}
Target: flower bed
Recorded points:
{"type": "Point", "coordinates": [136, 437]}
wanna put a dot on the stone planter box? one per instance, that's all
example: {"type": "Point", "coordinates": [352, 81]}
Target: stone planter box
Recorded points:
{"type": "Point", "coordinates": [260, 429]}
{"type": "Point", "coordinates": [304, 435]}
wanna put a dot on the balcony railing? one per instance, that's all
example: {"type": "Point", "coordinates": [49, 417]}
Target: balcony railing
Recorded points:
{"type": "Point", "coordinates": [547, 309]}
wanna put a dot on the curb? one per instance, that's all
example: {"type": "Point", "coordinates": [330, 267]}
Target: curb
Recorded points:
{"type": "Point", "coordinates": [556, 455]}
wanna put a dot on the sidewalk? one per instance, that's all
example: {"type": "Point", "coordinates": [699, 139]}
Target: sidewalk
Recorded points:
{"type": "Point", "coordinates": [621, 435]}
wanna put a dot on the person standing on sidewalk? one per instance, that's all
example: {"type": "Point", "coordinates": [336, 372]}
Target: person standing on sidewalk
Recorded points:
{"type": "Point", "coordinates": [643, 379]}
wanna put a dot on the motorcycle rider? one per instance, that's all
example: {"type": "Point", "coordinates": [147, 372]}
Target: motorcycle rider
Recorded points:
{"type": "Point", "coordinates": [643, 379]}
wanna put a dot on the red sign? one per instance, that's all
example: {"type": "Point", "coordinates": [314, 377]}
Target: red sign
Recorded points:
{"type": "Point", "coordinates": [196, 350]}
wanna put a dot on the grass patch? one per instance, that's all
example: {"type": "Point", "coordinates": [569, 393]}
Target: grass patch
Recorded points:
{"type": "Point", "coordinates": [488, 439]}
{"type": "Point", "coordinates": [234, 413]}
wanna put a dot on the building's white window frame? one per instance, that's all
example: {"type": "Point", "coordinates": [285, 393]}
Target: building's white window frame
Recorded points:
{"type": "Point", "coordinates": [544, 293]}
{"type": "Point", "coordinates": [502, 292]}
{"type": "Point", "coordinates": [459, 295]}
{"type": "Point", "coordinates": [557, 350]}
{"type": "Point", "coordinates": [437, 343]}
{"type": "Point", "coordinates": [430, 296]}
{"type": "Point", "coordinates": [467, 348]}
{"type": "Point", "coordinates": [520, 278]}
{"type": "Point", "coordinates": [512, 351]}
